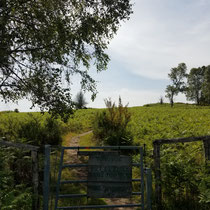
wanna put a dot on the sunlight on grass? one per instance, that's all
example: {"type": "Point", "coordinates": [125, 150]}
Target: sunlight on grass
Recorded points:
{"type": "Point", "coordinates": [87, 140]}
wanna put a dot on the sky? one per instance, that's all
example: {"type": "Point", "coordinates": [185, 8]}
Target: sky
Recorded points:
{"type": "Point", "coordinates": [159, 35]}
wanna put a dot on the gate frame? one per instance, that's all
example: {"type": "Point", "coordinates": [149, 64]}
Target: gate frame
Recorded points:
{"type": "Point", "coordinates": [140, 164]}
{"type": "Point", "coordinates": [156, 157]}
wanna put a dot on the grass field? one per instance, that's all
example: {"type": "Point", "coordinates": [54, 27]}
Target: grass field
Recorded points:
{"type": "Point", "coordinates": [185, 176]}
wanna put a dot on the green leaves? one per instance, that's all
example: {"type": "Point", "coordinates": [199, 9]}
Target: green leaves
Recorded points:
{"type": "Point", "coordinates": [176, 76]}
{"type": "Point", "coordinates": [111, 126]}
{"type": "Point", "coordinates": [206, 85]}
{"type": "Point", "coordinates": [39, 37]}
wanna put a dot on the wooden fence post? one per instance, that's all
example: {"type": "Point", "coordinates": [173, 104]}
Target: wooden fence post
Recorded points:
{"type": "Point", "coordinates": [158, 192]}
{"type": "Point", "coordinates": [206, 144]}
{"type": "Point", "coordinates": [35, 179]}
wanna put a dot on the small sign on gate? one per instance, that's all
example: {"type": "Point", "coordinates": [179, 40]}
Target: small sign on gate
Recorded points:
{"type": "Point", "coordinates": [109, 175]}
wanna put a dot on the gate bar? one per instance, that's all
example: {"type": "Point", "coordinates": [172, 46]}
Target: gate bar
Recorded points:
{"type": "Point", "coordinates": [85, 195]}
{"type": "Point", "coordinates": [104, 147]}
{"type": "Point", "coordinates": [74, 165]}
{"type": "Point", "coordinates": [86, 148]}
{"type": "Point", "coordinates": [100, 206]}
{"type": "Point", "coordinates": [86, 181]}
{"type": "Point", "coordinates": [85, 165]}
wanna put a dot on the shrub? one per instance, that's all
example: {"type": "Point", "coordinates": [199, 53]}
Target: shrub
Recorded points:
{"type": "Point", "coordinates": [16, 110]}
{"type": "Point", "coordinates": [111, 125]}
{"type": "Point", "coordinates": [40, 132]}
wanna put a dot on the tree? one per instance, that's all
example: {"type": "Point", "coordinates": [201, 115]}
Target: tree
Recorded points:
{"type": "Point", "coordinates": [161, 100]}
{"type": "Point", "coordinates": [206, 85]}
{"type": "Point", "coordinates": [44, 43]}
{"type": "Point", "coordinates": [176, 76]}
{"type": "Point", "coordinates": [80, 101]}
{"type": "Point", "coordinates": [195, 81]}
{"type": "Point", "coordinates": [171, 91]}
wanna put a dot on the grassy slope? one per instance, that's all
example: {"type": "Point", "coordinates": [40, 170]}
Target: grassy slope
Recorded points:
{"type": "Point", "coordinates": [148, 123]}
{"type": "Point", "coordinates": [181, 164]}
{"type": "Point", "coordinates": [156, 121]}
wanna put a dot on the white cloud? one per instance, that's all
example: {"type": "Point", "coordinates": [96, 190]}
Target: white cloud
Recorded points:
{"type": "Point", "coordinates": [159, 36]}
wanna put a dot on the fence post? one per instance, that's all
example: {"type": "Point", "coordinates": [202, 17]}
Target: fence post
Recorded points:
{"type": "Point", "coordinates": [142, 177]}
{"type": "Point", "coordinates": [206, 144]}
{"type": "Point", "coordinates": [149, 188]}
{"type": "Point", "coordinates": [46, 184]}
{"type": "Point", "coordinates": [158, 192]}
{"type": "Point", "coordinates": [35, 180]}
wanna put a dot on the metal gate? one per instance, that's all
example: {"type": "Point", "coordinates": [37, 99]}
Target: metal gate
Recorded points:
{"type": "Point", "coordinates": [109, 175]}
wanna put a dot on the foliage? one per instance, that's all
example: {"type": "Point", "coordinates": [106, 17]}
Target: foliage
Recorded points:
{"type": "Point", "coordinates": [185, 177]}
{"type": "Point", "coordinates": [204, 186]}
{"type": "Point", "coordinates": [16, 110]}
{"type": "Point", "coordinates": [80, 101]}
{"type": "Point", "coordinates": [182, 171]}
{"type": "Point", "coordinates": [195, 81]}
{"type": "Point", "coordinates": [15, 178]}
{"type": "Point", "coordinates": [197, 87]}
{"type": "Point", "coordinates": [111, 125]}
{"type": "Point", "coordinates": [206, 85]}
{"type": "Point", "coordinates": [176, 76]}
{"type": "Point", "coordinates": [181, 165]}
{"type": "Point", "coordinates": [44, 43]}
{"type": "Point", "coordinates": [37, 128]}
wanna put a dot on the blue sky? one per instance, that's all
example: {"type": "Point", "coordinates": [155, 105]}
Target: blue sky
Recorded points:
{"type": "Point", "coordinates": [159, 35]}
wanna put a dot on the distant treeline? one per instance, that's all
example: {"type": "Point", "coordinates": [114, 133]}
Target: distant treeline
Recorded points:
{"type": "Point", "coordinates": [195, 85]}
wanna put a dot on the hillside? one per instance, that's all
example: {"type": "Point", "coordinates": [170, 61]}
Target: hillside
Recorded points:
{"type": "Point", "coordinates": [185, 175]}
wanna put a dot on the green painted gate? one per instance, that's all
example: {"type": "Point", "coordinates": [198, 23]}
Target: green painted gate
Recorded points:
{"type": "Point", "coordinates": [109, 175]}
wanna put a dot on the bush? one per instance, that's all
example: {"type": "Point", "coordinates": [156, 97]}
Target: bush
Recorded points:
{"type": "Point", "coordinates": [38, 132]}
{"type": "Point", "coordinates": [16, 110]}
{"type": "Point", "coordinates": [111, 125]}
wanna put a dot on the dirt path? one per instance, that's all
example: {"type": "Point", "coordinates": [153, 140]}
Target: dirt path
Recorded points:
{"type": "Point", "coordinates": [74, 142]}
{"type": "Point", "coordinates": [81, 173]}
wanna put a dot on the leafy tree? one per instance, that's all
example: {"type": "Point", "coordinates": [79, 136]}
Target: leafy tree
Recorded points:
{"type": "Point", "coordinates": [44, 43]}
{"type": "Point", "coordinates": [176, 76]}
{"type": "Point", "coordinates": [171, 91]}
{"type": "Point", "coordinates": [206, 85]}
{"type": "Point", "coordinates": [195, 81]}
{"type": "Point", "coordinates": [80, 101]}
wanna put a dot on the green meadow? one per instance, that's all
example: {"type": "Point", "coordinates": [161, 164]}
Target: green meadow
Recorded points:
{"type": "Point", "coordinates": [185, 175]}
